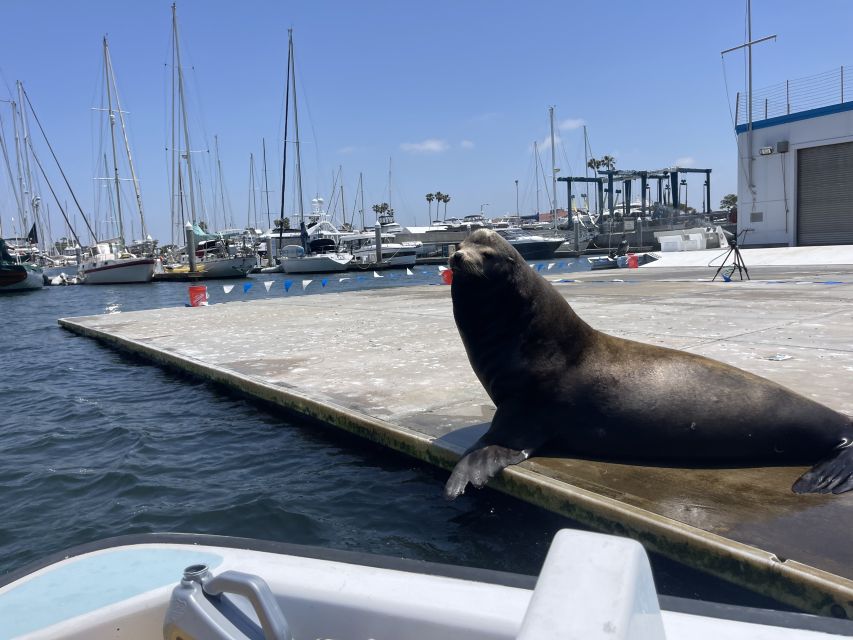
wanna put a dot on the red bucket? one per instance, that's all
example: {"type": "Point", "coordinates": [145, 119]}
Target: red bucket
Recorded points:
{"type": "Point", "coordinates": [198, 296]}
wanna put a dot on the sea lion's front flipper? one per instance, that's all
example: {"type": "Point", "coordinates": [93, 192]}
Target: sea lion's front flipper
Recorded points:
{"type": "Point", "coordinates": [506, 442]}
{"type": "Point", "coordinates": [479, 466]}
{"type": "Point", "coordinates": [832, 475]}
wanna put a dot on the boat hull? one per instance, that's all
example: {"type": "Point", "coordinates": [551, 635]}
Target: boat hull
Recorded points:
{"type": "Point", "coordinates": [329, 263]}
{"type": "Point", "coordinates": [537, 250]}
{"type": "Point", "coordinates": [393, 255]}
{"type": "Point", "coordinates": [218, 269]}
{"type": "Point", "coordinates": [378, 596]}
{"type": "Point", "coordinates": [119, 271]}
{"type": "Point", "coordinates": [19, 277]}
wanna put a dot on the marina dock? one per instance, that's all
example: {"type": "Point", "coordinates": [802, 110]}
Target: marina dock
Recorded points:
{"type": "Point", "coordinates": [388, 365]}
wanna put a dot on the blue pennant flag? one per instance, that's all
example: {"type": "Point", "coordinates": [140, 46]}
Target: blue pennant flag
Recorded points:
{"type": "Point", "coordinates": [287, 285]}
{"type": "Point", "coordinates": [560, 265]}
{"type": "Point", "coordinates": [539, 267]}
{"type": "Point", "coordinates": [359, 278]}
{"type": "Point", "coordinates": [247, 286]}
{"type": "Point", "coordinates": [324, 281]}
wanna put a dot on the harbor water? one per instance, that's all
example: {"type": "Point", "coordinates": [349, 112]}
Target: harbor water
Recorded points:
{"type": "Point", "coordinates": [96, 443]}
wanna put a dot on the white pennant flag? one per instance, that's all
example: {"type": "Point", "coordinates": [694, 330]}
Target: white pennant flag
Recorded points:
{"type": "Point", "coordinates": [550, 266]}
{"type": "Point", "coordinates": [440, 269]}
{"type": "Point", "coordinates": [268, 284]}
{"type": "Point", "coordinates": [227, 288]}
{"type": "Point", "coordinates": [409, 272]}
{"type": "Point", "coordinates": [305, 283]}
{"type": "Point", "coordinates": [342, 279]}
{"type": "Point", "coordinates": [376, 275]}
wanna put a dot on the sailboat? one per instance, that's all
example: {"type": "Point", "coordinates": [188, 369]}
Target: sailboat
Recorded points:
{"type": "Point", "coordinates": [111, 262]}
{"type": "Point", "coordinates": [318, 249]}
{"type": "Point", "coordinates": [207, 255]}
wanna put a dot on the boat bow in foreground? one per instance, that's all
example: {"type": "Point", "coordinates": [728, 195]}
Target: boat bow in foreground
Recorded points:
{"type": "Point", "coordinates": [591, 586]}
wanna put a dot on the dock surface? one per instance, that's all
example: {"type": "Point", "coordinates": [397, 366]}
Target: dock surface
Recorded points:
{"type": "Point", "coordinates": [388, 365]}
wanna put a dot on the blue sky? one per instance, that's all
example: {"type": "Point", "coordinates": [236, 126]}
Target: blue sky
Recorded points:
{"type": "Point", "coordinates": [454, 93]}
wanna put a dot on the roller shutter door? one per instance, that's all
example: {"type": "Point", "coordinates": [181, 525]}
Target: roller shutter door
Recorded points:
{"type": "Point", "coordinates": [825, 194]}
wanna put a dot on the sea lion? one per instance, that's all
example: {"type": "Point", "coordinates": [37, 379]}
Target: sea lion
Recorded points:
{"type": "Point", "coordinates": [557, 381]}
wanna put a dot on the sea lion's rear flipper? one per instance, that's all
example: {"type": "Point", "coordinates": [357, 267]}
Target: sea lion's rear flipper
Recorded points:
{"type": "Point", "coordinates": [832, 475]}
{"type": "Point", "coordinates": [479, 466]}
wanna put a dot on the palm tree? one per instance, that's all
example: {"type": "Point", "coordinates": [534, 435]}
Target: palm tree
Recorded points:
{"type": "Point", "coordinates": [439, 197]}
{"type": "Point", "coordinates": [445, 199]}
{"type": "Point", "coordinates": [429, 198]}
{"type": "Point", "coordinates": [608, 162]}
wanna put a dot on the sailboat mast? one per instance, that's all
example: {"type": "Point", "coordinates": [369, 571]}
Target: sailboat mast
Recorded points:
{"type": "Point", "coordinates": [286, 118]}
{"type": "Point", "coordinates": [175, 158]}
{"type": "Point", "coordinates": [291, 56]}
{"type": "Point", "coordinates": [225, 220]}
{"type": "Point", "coordinates": [389, 185]}
{"type": "Point", "coordinates": [361, 191]}
{"type": "Point", "coordinates": [266, 184]}
{"type": "Point", "coordinates": [184, 113]}
{"type": "Point", "coordinates": [554, 168]}
{"type": "Point", "coordinates": [536, 174]}
{"type": "Point", "coordinates": [19, 195]}
{"type": "Point", "coordinates": [251, 193]}
{"type": "Point", "coordinates": [112, 118]}
{"type": "Point", "coordinates": [586, 165]}
{"type": "Point", "coordinates": [27, 193]}
{"type": "Point", "coordinates": [133, 177]}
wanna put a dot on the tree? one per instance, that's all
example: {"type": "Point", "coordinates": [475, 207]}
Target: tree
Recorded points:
{"type": "Point", "coordinates": [729, 202]}
{"type": "Point", "coordinates": [594, 164]}
{"type": "Point", "coordinates": [439, 197]}
{"type": "Point", "coordinates": [445, 199]}
{"type": "Point", "coordinates": [429, 198]}
{"type": "Point", "coordinates": [608, 162]}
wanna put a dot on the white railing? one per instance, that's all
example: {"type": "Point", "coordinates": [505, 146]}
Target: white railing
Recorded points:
{"type": "Point", "coordinates": [794, 96]}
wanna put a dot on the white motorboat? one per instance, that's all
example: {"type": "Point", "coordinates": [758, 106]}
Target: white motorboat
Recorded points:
{"type": "Point", "coordinates": [195, 586]}
{"type": "Point", "coordinates": [324, 258]}
{"type": "Point", "coordinates": [112, 266]}
{"type": "Point", "coordinates": [393, 254]}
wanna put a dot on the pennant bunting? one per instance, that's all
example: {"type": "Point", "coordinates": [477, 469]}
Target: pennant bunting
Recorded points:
{"type": "Point", "coordinates": [342, 279]}
{"type": "Point", "coordinates": [246, 287]}
{"type": "Point", "coordinates": [287, 285]}
{"type": "Point", "coordinates": [324, 282]}
{"type": "Point", "coordinates": [409, 272]}
{"type": "Point", "coordinates": [305, 283]}
{"type": "Point", "coordinates": [268, 284]}
{"type": "Point", "coordinates": [227, 288]}
{"type": "Point", "coordinates": [539, 267]}
{"type": "Point", "coordinates": [550, 266]}
{"type": "Point", "coordinates": [376, 275]}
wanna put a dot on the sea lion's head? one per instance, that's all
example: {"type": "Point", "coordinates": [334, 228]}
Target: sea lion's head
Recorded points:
{"type": "Point", "coordinates": [484, 254]}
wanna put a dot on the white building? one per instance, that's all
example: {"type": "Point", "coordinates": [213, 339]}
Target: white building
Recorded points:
{"type": "Point", "coordinates": [801, 169]}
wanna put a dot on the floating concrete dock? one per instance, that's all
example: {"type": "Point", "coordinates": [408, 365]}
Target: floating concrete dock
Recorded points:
{"type": "Point", "coordinates": [388, 365]}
